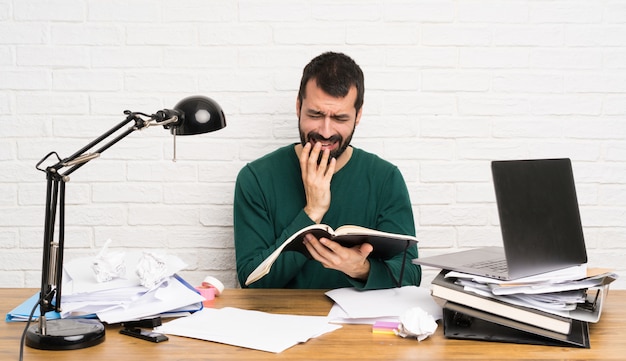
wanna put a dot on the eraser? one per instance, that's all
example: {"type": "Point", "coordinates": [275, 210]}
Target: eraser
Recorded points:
{"type": "Point", "coordinates": [207, 292]}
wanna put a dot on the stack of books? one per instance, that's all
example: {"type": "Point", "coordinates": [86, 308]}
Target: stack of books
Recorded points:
{"type": "Point", "coordinates": [541, 312]}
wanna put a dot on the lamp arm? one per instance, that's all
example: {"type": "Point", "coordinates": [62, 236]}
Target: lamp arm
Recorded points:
{"type": "Point", "coordinates": [52, 264]}
{"type": "Point", "coordinates": [80, 157]}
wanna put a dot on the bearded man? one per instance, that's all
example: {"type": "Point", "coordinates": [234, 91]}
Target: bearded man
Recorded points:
{"type": "Point", "coordinates": [323, 179]}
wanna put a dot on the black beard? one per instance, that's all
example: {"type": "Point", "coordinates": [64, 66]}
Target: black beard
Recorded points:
{"type": "Point", "coordinates": [317, 138]}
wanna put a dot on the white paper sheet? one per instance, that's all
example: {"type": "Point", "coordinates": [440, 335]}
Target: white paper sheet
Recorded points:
{"type": "Point", "coordinates": [249, 329]}
{"type": "Point", "coordinates": [562, 275]}
{"type": "Point", "coordinates": [595, 280]}
{"type": "Point", "coordinates": [380, 305]}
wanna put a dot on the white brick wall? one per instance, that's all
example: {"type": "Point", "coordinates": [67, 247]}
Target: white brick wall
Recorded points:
{"type": "Point", "coordinates": [451, 85]}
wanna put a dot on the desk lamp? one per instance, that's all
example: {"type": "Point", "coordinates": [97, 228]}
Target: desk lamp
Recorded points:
{"type": "Point", "coordinates": [192, 115]}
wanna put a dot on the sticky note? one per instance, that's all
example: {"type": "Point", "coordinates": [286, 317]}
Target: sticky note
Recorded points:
{"type": "Point", "coordinates": [384, 327]}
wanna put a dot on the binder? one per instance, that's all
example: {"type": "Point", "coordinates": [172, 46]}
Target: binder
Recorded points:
{"type": "Point", "coordinates": [446, 289]}
{"type": "Point", "coordinates": [466, 323]}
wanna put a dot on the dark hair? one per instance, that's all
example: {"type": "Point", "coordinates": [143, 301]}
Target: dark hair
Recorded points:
{"type": "Point", "coordinates": [335, 74]}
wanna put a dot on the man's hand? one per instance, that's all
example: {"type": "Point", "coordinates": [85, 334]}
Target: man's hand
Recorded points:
{"type": "Point", "coordinates": [351, 261]}
{"type": "Point", "coordinates": [316, 179]}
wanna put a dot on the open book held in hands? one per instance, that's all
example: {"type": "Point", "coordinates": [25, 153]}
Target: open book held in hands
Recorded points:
{"type": "Point", "coordinates": [385, 245]}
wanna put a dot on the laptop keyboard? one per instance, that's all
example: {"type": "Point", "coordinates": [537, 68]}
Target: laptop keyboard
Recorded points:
{"type": "Point", "coordinates": [496, 265]}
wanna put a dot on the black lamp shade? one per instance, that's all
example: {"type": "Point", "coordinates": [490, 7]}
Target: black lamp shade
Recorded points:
{"type": "Point", "coordinates": [198, 114]}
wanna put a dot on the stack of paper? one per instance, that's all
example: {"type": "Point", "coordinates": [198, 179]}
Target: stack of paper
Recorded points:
{"type": "Point", "coordinates": [120, 299]}
{"type": "Point", "coordinates": [546, 292]}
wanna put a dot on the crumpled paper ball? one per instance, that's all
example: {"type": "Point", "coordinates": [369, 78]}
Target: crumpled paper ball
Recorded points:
{"type": "Point", "coordinates": [151, 269]}
{"type": "Point", "coordinates": [109, 265]}
{"type": "Point", "coordinates": [417, 323]}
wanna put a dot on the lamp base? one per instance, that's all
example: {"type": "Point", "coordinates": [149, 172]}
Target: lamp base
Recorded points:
{"type": "Point", "coordinates": [66, 334]}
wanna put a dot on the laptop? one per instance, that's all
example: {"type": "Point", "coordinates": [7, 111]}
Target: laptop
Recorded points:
{"type": "Point", "coordinates": [539, 220]}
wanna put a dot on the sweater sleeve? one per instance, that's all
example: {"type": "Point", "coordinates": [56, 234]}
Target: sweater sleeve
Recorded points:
{"type": "Point", "coordinates": [254, 235]}
{"type": "Point", "coordinates": [395, 215]}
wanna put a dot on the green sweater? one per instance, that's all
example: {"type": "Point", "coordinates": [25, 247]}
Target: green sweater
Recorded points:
{"type": "Point", "coordinates": [268, 208]}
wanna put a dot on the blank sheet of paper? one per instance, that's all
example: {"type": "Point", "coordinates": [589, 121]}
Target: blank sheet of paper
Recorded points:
{"type": "Point", "coordinates": [251, 329]}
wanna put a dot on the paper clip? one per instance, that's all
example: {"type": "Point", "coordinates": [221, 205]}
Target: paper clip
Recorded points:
{"type": "Point", "coordinates": [590, 304]}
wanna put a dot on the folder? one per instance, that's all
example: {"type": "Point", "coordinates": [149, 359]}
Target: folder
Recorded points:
{"type": "Point", "coordinates": [22, 311]}
{"type": "Point", "coordinates": [466, 323]}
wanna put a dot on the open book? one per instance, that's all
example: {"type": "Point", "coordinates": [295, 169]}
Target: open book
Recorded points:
{"type": "Point", "coordinates": [385, 245]}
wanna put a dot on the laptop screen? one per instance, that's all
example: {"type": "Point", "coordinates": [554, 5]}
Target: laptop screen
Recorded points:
{"type": "Point", "coordinates": [539, 214]}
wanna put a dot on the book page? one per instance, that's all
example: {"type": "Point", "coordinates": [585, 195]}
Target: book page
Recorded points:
{"type": "Point", "coordinates": [358, 230]}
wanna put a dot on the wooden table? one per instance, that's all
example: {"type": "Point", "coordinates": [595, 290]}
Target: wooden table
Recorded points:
{"type": "Point", "coordinates": [351, 342]}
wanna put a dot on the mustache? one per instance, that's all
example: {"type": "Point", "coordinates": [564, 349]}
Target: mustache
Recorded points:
{"type": "Point", "coordinates": [316, 137]}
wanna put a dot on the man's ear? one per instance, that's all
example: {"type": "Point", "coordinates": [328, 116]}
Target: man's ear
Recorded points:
{"type": "Point", "coordinates": [298, 107]}
{"type": "Point", "coordinates": [358, 116]}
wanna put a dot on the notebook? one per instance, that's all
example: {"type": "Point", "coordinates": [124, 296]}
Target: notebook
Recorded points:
{"type": "Point", "coordinates": [539, 221]}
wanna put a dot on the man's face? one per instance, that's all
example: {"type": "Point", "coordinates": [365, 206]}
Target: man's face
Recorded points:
{"type": "Point", "coordinates": [326, 119]}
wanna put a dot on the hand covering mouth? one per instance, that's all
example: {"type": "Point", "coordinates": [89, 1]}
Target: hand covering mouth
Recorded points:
{"type": "Point", "coordinates": [325, 142]}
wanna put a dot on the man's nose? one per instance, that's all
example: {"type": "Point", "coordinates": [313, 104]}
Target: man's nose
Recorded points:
{"type": "Point", "coordinates": [326, 127]}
